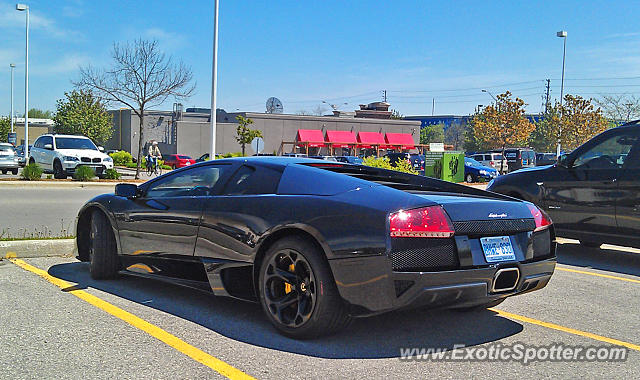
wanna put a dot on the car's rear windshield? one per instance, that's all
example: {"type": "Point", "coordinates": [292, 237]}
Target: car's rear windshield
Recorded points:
{"type": "Point", "coordinates": [6, 148]}
{"type": "Point", "coordinates": [184, 157]}
{"type": "Point", "coordinates": [74, 143]}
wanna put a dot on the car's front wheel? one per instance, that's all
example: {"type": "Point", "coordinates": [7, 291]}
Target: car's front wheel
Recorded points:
{"type": "Point", "coordinates": [103, 256]}
{"type": "Point", "coordinates": [14, 172]}
{"type": "Point", "coordinates": [298, 292]}
{"type": "Point", "coordinates": [469, 178]}
{"type": "Point", "coordinates": [58, 171]}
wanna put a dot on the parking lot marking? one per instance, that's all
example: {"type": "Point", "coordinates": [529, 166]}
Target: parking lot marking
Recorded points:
{"type": "Point", "coordinates": [597, 274]}
{"type": "Point", "coordinates": [171, 340]}
{"type": "Point", "coordinates": [569, 330]}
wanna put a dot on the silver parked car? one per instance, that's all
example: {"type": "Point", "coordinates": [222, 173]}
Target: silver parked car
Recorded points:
{"type": "Point", "coordinates": [492, 160]}
{"type": "Point", "coordinates": [8, 159]}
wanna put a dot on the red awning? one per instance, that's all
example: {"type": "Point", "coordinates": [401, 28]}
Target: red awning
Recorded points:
{"type": "Point", "coordinates": [400, 140]}
{"type": "Point", "coordinates": [311, 137]}
{"type": "Point", "coordinates": [371, 139]}
{"type": "Point", "coordinates": [341, 139]}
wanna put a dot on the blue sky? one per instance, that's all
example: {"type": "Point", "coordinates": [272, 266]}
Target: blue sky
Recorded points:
{"type": "Point", "coordinates": [304, 52]}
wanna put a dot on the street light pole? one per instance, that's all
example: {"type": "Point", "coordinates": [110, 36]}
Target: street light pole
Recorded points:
{"type": "Point", "coordinates": [24, 7]}
{"type": "Point", "coordinates": [562, 34]}
{"type": "Point", "coordinates": [491, 95]}
{"type": "Point", "coordinates": [12, 66]}
{"type": "Point", "coordinates": [214, 79]}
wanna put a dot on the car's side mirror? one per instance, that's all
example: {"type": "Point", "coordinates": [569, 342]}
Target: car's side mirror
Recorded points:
{"type": "Point", "coordinates": [101, 149]}
{"type": "Point", "coordinates": [563, 161]}
{"type": "Point", "coordinates": [48, 146]}
{"type": "Point", "coordinates": [127, 190]}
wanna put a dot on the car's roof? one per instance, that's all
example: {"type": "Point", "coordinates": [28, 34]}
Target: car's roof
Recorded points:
{"type": "Point", "coordinates": [57, 135]}
{"type": "Point", "coordinates": [6, 144]}
{"type": "Point", "coordinates": [277, 160]}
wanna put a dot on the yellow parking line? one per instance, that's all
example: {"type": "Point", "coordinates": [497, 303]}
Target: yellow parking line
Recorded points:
{"type": "Point", "coordinates": [597, 274]}
{"type": "Point", "coordinates": [156, 332]}
{"type": "Point", "coordinates": [569, 330]}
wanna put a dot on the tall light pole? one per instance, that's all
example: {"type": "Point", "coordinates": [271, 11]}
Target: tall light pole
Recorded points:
{"type": "Point", "coordinates": [24, 7]}
{"type": "Point", "coordinates": [491, 95]}
{"type": "Point", "coordinates": [562, 34]}
{"type": "Point", "coordinates": [214, 80]}
{"type": "Point", "coordinates": [12, 66]}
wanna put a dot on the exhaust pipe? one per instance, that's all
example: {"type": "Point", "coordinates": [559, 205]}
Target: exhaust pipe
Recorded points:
{"type": "Point", "coordinates": [505, 279]}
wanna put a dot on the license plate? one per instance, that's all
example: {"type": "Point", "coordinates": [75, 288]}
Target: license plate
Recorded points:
{"type": "Point", "coordinates": [497, 248]}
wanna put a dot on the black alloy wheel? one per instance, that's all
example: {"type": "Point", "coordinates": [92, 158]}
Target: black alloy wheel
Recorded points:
{"type": "Point", "coordinates": [469, 178]}
{"type": "Point", "coordinates": [289, 288]}
{"type": "Point", "coordinates": [297, 290]}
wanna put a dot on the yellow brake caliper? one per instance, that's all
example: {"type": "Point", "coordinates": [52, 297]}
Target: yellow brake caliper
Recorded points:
{"type": "Point", "coordinates": [287, 286]}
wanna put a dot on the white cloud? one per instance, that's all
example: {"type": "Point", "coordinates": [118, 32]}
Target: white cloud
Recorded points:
{"type": "Point", "coordinates": [11, 19]}
{"type": "Point", "coordinates": [168, 40]}
{"type": "Point", "coordinates": [67, 64]}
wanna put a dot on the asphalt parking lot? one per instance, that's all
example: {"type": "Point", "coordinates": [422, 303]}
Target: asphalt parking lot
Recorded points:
{"type": "Point", "coordinates": [140, 328]}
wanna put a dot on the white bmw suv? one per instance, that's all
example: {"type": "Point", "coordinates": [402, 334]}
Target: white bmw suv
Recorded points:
{"type": "Point", "coordinates": [62, 154]}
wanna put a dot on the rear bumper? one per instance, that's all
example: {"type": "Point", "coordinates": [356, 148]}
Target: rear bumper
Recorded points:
{"type": "Point", "coordinates": [8, 165]}
{"type": "Point", "coordinates": [374, 288]}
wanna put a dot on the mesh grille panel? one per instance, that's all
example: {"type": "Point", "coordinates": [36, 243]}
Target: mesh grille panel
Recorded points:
{"type": "Point", "coordinates": [420, 254]}
{"type": "Point", "coordinates": [501, 227]}
{"type": "Point", "coordinates": [85, 159]}
{"type": "Point", "coordinates": [97, 159]}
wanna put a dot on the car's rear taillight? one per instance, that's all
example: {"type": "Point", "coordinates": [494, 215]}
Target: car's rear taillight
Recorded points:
{"type": "Point", "coordinates": [542, 219]}
{"type": "Point", "coordinates": [429, 222]}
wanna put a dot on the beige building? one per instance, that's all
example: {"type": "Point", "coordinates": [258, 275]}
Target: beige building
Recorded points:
{"type": "Point", "coordinates": [190, 132]}
{"type": "Point", "coordinates": [37, 128]}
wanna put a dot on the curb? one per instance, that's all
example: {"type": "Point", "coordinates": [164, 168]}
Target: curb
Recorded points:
{"type": "Point", "coordinates": [57, 184]}
{"type": "Point", "coordinates": [20, 249]}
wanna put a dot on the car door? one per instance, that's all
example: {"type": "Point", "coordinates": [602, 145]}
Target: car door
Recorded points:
{"type": "Point", "coordinates": [35, 151]}
{"type": "Point", "coordinates": [628, 204]}
{"type": "Point", "coordinates": [165, 218]}
{"type": "Point", "coordinates": [47, 153]}
{"type": "Point", "coordinates": [581, 195]}
{"type": "Point", "coordinates": [237, 217]}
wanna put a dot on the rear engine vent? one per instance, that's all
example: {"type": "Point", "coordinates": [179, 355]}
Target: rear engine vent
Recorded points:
{"type": "Point", "coordinates": [419, 254]}
{"type": "Point", "coordinates": [402, 286]}
{"type": "Point", "coordinates": [494, 227]}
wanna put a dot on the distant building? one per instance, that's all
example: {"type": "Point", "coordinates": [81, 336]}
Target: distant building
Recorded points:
{"type": "Point", "coordinates": [189, 132]}
{"type": "Point", "coordinates": [37, 127]}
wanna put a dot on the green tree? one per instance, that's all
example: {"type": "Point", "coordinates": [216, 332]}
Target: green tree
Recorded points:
{"type": "Point", "coordinates": [5, 128]}
{"type": "Point", "coordinates": [84, 114]}
{"type": "Point", "coordinates": [244, 135]}
{"type": "Point", "coordinates": [432, 133]}
{"type": "Point", "coordinates": [39, 114]}
{"type": "Point", "coordinates": [455, 135]}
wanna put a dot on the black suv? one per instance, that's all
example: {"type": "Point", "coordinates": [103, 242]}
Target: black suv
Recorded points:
{"type": "Point", "coordinates": [591, 193]}
{"type": "Point", "coordinates": [417, 160]}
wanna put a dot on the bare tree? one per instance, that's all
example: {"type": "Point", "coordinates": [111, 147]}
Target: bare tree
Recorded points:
{"type": "Point", "coordinates": [619, 108]}
{"type": "Point", "coordinates": [320, 110]}
{"type": "Point", "coordinates": [140, 77]}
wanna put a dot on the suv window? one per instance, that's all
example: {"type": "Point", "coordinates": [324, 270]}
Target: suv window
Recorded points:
{"type": "Point", "coordinates": [73, 143]}
{"type": "Point", "coordinates": [38, 143]}
{"type": "Point", "coordinates": [46, 140]}
{"type": "Point", "coordinates": [253, 180]}
{"type": "Point", "coordinates": [608, 154]}
{"type": "Point", "coordinates": [192, 182]}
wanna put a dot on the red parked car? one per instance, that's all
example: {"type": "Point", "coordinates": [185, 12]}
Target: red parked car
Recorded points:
{"type": "Point", "coordinates": [179, 161]}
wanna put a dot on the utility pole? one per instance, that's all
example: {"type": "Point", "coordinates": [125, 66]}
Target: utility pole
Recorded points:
{"type": "Point", "coordinates": [214, 80]}
{"type": "Point", "coordinates": [384, 96]}
{"type": "Point", "coordinates": [433, 106]}
{"type": "Point", "coordinates": [12, 66]}
{"type": "Point", "coordinates": [547, 105]}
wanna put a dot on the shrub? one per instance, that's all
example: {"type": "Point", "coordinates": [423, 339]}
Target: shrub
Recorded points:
{"type": "Point", "coordinates": [84, 173]}
{"type": "Point", "coordinates": [112, 174]}
{"type": "Point", "coordinates": [166, 167]}
{"type": "Point", "coordinates": [383, 163]}
{"type": "Point", "coordinates": [121, 158]}
{"type": "Point", "coordinates": [31, 172]}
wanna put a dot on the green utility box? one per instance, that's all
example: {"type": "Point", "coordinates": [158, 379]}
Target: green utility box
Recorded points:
{"type": "Point", "coordinates": [448, 166]}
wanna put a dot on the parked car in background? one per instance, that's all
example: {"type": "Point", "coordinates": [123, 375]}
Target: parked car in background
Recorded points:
{"type": "Point", "coordinates": [475, 171]}
{"type": "Point", "coordinates": [417, 160]}
{"type": "Point", "coordinates": [592, 193]}
{"type": "Point", "coordinates": [518, 158]}
{"type": "Point", "coordinates": [62, 154]}
{"type": "Point", "coordinates": [326, 158]}
{"type": "Point", "coordinates": [350, 159]}
{"type": "Point", "coordinates": [20, 151]}
{"type": "Point", "coordinates": [204, 157]}
{"type": "Point", "coordinates": [8, 159]}
{"type": "Point", "coordinates": [543, 159]}
{"type": "Point", "coordinates": [491, 159]}
{"type": "Point", "coordinates": [273, 230]}
{"type": "Point", "coordinates": [178, 161]}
